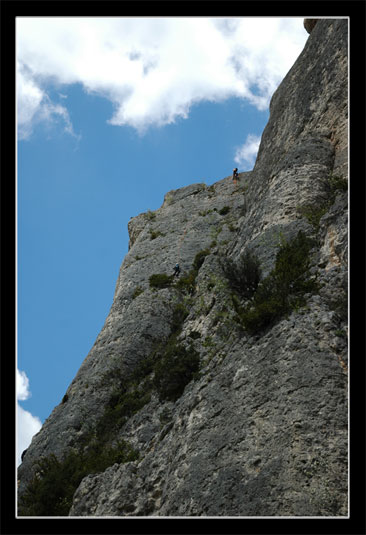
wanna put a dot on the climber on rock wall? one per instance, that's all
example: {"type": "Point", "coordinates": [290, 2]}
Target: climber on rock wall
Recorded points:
{"type": "Point", "coordinates": [176, 270]}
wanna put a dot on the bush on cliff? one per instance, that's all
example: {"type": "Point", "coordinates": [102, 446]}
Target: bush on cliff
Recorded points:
{"type": "Point", "coordinates": [174, 370]}
{"type": "Point", "coordinates": [283, 289]}
{"type": "Point", "coordinates": [200, 258]}
{"type": "Point", "coordinates": [333, 184]}
{"type": "Point", "coordinates": [121, 406]}
{"type": "Point", "coordinates": [160, 280]}
{"type": "Point", "coordinates": [51, 491]}
{"type": "Point", "coordinates": [180, 313]}
{"type": "Point", "coordinates": [225, 210]}
{"type": "Point", "coordinates": [244, 275]}
{"type": "Point", "coordinates": [187, 283]}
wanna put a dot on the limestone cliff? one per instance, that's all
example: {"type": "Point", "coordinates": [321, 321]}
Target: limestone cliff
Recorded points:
{"type": "Point", "coordinates": [224, 392]}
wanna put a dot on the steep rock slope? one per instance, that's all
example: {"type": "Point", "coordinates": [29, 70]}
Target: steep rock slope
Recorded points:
{"type": "Point", "coordinates": [259, 427]}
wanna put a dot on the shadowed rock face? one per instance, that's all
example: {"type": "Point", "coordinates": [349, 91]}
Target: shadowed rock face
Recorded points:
{"type": "Point", "coordinates": [309, 24]}
{"type": "Point", "coordinates": [262, 431]}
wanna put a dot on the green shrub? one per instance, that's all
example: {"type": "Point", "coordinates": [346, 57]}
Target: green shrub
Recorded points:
{"type": "Point", "coordinates": [130, 394]}
{"type": "Point", "coordinates": [194, 335]}
{"type": "Point", "coordinates": [225, 210]}
{"type": "Point", "coordinates": [142, 370]}
{"type": "Point", "coordinates": [160, 280]}
{"type": "Point", "coordinates": [150, 215]}
{"type": "Point", "coordinates": [179, 315]}
{"type": "Point", "coordinates": [200, 258]}
{"type": "Point", "coordinates": [121, 406]}
{"type": "Point", "coordinates": [263, 313]}
{"type": "Point", "coordinates": [174, 370]}
{"type": "Point", "coordinates": [314, 212]}
{"type": "Point", "coordinates": [138, 291]}
{"type": "Point", "coordinates": [187, 283]}
{"type": "Point", "coordinates": [341, 333]}
{"type": "Point", "coordinates": [243, 276]}
{"type": "Point", "coordinates": [337, 183]}
{"type": "Point", "coordinates": [155, 234]}
{"type": "Point", "coordinates": [283, 289]}
{"type": "Point", "coordinates": [51, 491]}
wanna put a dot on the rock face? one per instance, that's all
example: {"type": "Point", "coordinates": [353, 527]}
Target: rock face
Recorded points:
{"type": "Point", "coordinates": [262, 429]}
{"type": "Point", "coordinates": [309, 24]}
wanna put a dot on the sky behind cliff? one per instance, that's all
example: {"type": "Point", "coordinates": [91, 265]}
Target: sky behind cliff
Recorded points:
{"type": "Point", "coordinates": [113, 113]}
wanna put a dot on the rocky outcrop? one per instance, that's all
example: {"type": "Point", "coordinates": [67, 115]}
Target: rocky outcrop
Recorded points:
{"type": "Point", "coordinates": [261, 429]}
{"type": "Point", "coordinates": [309, 24]}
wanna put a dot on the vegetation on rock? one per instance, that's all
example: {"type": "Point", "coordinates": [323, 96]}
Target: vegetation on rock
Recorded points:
{"type": "Point", "coordinates": [155, 234]}
{"type": "Point", "coordinates": [160, 280]}
{"type": "Point", "coordinates": [175, 368]}
{"type": "Point", "coordinates": [243, 276]}
{"type": "Point", "coordinates": [225, 210]}
{"type": "Point", "coordinates": [282, 290]}
{"type": "Point", "coordinates": [138, 291]}
{"type": "Point", "coordinates": [314, 212]}
{"type": "Point", "coordinates": [185, 283]}
{"type": "Point", "coordinates": [51, 491]}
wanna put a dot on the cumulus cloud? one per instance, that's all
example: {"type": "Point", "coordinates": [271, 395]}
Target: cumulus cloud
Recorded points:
{"type": "Point", "coordinates": [34, 106]}
{"type": "Point", "coordinates": [27, 424]}
{"type": "Point", "coordinates": [151, 69]}
{"type": "Point", "coordinates": [245, 155]}
{"type": "Point", "coordinates": [22, 385]}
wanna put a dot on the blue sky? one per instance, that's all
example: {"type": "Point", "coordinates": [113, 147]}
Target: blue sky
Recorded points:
{"type": "Point", "coordinates": [112, 114]}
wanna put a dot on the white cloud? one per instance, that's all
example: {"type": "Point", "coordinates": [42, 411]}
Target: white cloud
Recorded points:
{"type": "Point", "coordinates": [29, 98]}
{"type": "Point", "coordinates": [34, 105]}
{"type": "Point", "coordinates": [27, 424]}
{"type": "Point", "coordinates": [152, 69]}
{"type": "Point", "coordinates": [22, 386]}
{"type": "Point", "coordinates": [245, 155]}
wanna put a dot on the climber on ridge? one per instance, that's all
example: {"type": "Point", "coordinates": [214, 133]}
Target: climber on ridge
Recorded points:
{"type": "Point", "coordinates": [176, 270]}
{"type": "Point", "coordinates": [235, 173]}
